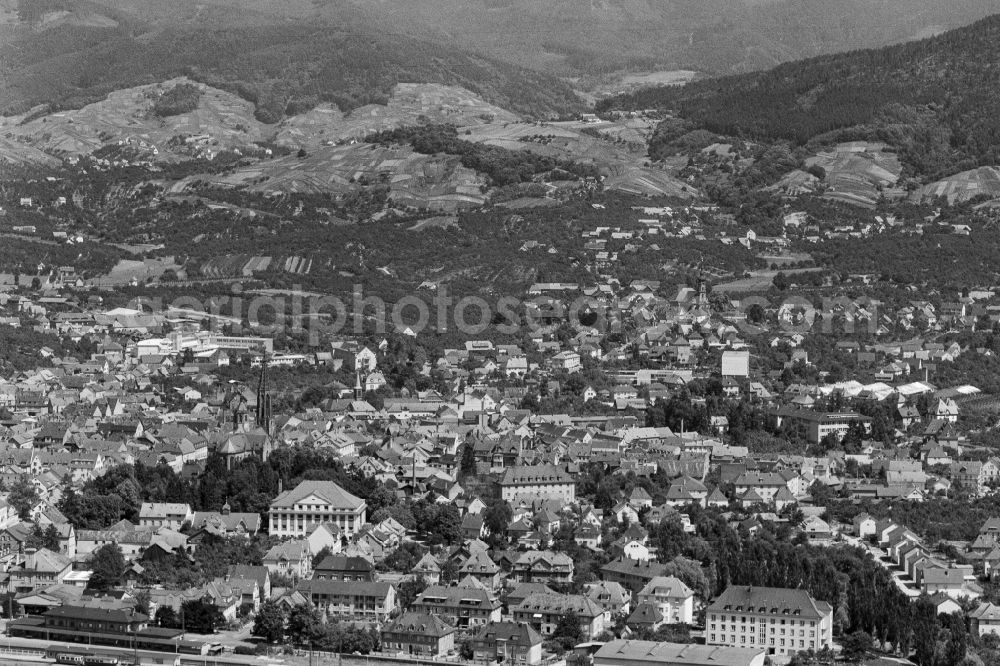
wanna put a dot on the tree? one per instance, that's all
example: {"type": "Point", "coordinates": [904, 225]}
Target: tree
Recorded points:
{"type": "Point", "coordinates": [320, 556]}
{"type": "Point", "coordinates": [567, 630]}
{"type": "Point", "coordinates": [958, 639]}
{"type": "Point", "coordinates": [449, 571]}
{"type": "Point", "coordinates": [142, 599]}
{"type": "Point", "coordinates": [497, 516]}
{"type": "Point", "coordinates": [441, 523]}
{"type": "Point", "coordinates": [166, 617]}
{"type": "Point", "coordinates": [856, 645]}
{"type": "Point", "coordinates": [925, 630]}
{"type": "Point", "coordinates": [270, 622]}
{"type": "Point", "coordinates": [468, 466]}
{"type": "Point", "coordinates": [201, 616]}
{"type": "Point", "coordinates": [404, 558]}
{"type": "Point", "coordinates": [108, 567]}
{"type": "Point", "coordinates": [23, 496]}
{"type": "Point", "coordinates": [409, 590]}
{"type": "Point", "coordinates": [304, 624]}
{"type": "Point", "coordinates": [690, 573]}
{"type": "Point", "coordinates": [47, 537]}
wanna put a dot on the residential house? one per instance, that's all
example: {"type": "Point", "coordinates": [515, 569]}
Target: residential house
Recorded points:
{"type": "Point", "coordinates": [418, 634]}
{"type": "Point", "coordinates": [673, 599]}
{"type": "Point", "coordinates": [515, 643]}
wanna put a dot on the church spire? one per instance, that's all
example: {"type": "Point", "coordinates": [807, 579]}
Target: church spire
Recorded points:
{"type": "Point", "coordinates": [263, 398]}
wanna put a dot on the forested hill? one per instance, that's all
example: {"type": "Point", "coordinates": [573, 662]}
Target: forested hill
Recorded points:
{"type": "Point", "coordinates": [937, 100]}
{"type": "Point", "coordinates": [284, 67]}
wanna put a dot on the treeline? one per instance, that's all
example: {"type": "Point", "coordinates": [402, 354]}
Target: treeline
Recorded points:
{"type": "Point", "coordinates": [937, 521]}
{"type": "Point", "coordinates": [935, 100]}
{"type": "Point", "coordinates": [504, 167]}
{"type": "Point", "coordinates": [248, 487]}
{"type": "Point", "coordinates": [181, 98]}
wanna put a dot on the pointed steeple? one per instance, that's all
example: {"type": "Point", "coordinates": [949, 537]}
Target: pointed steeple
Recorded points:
{"type": "Point", "coordinates": [263, 399]}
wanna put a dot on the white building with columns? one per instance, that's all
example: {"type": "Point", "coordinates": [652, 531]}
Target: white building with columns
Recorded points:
{"type": "Point", "coordinates": [294, 512]}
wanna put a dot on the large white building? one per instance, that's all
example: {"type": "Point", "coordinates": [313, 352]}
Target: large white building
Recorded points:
{"type": "Point", "coordinates": [164, 514]}
{"type": "Point", "coordinates": [532, 482]}
{"type": "Point", "coordinates": [294, 512]}
{"type": "Point", "coordinates": [779, 620]}
{"type": "Point", "coordinates": [736, 363]}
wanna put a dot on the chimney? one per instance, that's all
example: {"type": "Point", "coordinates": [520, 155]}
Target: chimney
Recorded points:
{"type": "Point", "coordinates": [29, 559]}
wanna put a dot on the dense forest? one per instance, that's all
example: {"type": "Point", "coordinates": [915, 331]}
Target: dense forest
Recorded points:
{"type": "Point", "coordinates": [284, 68]}
{"type": "Point", "coordinates": [934, 100]}
{"type": "Point", "coordinates": [504, 167]}
{"type": "Point", "coordinates": [181, 98]}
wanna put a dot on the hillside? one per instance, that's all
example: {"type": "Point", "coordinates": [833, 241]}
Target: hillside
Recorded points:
{"type": "Point", "coordinates": [936, 101]}
{"type": "Point", "coordinates": [590, 37]}
{"type": "Point", "coordinates": [288, 56]}
{"type": "Point", "coordinates": [283, 67]}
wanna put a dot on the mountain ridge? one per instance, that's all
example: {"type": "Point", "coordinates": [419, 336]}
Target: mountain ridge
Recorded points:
{"type": "Point", "coordinates": [934, 100]}
{"type": "Point", "coordinates": [351, 52]}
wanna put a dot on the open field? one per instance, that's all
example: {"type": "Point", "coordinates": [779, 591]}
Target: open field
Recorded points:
{"type": "Point", "coordinates": [963, 186]}
{"type": "Point", "coordinates": [410, 104]}
{"type": "Point", "coordinates": [623, 167]}
{"type": "Point", "coordinates": [333, 157]}
{"type": "Point", "coordinates": [14, 153]}
{"type": "Point", "coordinates": [424, 181]}
{"type": "Point", "coordinates": [796, 183]}
{"type": "Point", "coordinates": [758, 281]}
{"type": "Point", "coordinates": [125, 116]}
{"type": "Point", "coordinates": [629, 82]}
{"type": "Point", "coordinates": [785, 259]}
{"type": "Point", "coordinates": [857, 172]}
{"type": "Point", "coordinates": [223, 120]}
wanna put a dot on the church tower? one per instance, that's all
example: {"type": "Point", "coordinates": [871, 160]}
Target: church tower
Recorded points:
{"type": "Point", "coordinates": [263, 416]}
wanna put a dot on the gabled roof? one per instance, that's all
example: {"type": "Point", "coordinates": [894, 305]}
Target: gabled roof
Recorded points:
{"type": "Point", "coordinates": [427, 564]}
{"type": "Point", "coordinates": [328, 491]}
{"type": "Point", "coordinates": [645, 613]}
{"type": "Point", "coordinates": [421, 624]}
{"type": "Point", "coordinates": [519, 634]}
{"type": "Point", "coordinates": [771, 601]}
{"type": "Point", "coordinates": [670, 586]}
{"type": "Point", "coordinates": [676, 654]}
